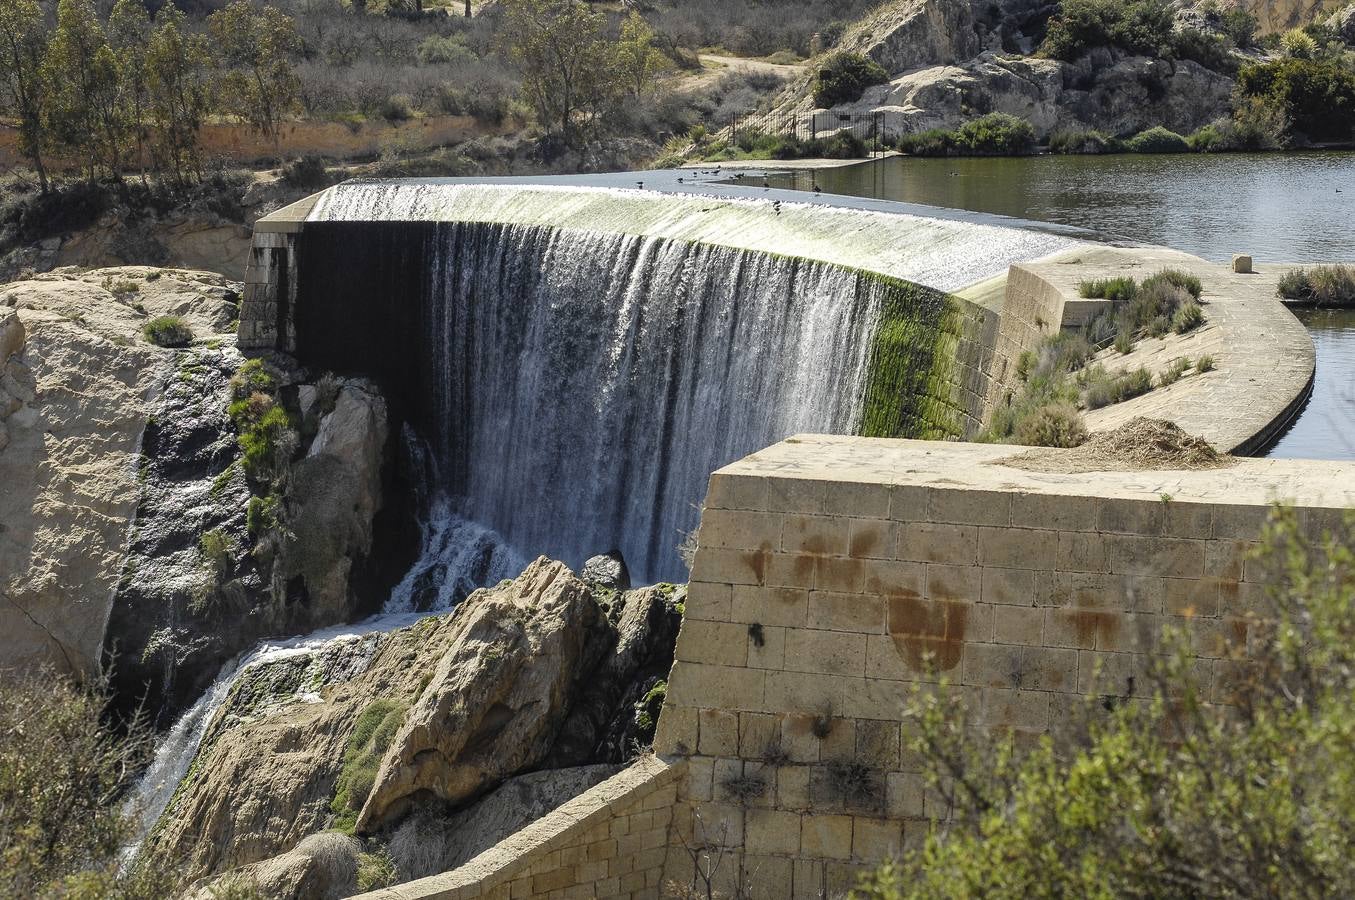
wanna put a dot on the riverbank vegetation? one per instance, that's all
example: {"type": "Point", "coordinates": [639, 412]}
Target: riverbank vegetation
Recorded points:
{"type": "Point", "coordinates": [1332, 285]}
{"type": "Point", "coordinates": [1165, 784]}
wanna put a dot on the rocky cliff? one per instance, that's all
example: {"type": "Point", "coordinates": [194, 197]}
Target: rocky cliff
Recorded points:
{"type": "Point", "coordinates": [77, 389]}
{"type": "Point", "coordinates": [402, 729]}
{"type": "Point", "coordinates": [953, 60]}
{"type": "Point", "coordinates": [125, 539]}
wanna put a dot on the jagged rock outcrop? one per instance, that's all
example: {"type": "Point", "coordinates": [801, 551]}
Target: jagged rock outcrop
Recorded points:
{"type": "Point", "coordinates": [76, 392]}
{"type": "Point", "coordinates": [1281, 15]}
{"type": "Point", "coordinates": [1118, 94]}
{"type": "Point", "coordinates": [480, 695]}
{"type": "Point", "coordinates": [198, 586]}
{"type": "Point", "coordinates": [953, 60]}
{"type": "Point", "coordinates": [1343, 20]}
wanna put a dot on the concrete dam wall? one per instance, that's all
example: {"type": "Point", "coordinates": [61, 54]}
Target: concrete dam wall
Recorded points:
{"type": "Point", "coordinates": [579, 360]}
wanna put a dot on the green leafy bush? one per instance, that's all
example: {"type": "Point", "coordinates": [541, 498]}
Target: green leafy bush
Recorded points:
{"type": "Point", "coordinates": [996, 134]}
{"type": "Point", "coordinates": [376, 727]}
{"type": "Point", "coordinates": [1212, 51]}
{"type": "Point", "coordinates": [218, 549]}
{"type": "Point", "coordinates": [1157, 140]}
{"type": "Point", "coordinates": [1317, 97]}
{"type": "Point", "coordinates": [1052, 425]}
{"type": "Point", "coordinates": [306, 172]}
{"type": "Point", "coordinates": [1295, 285]}
{"type": "Point", "coordinates": [843, 78]}
{"type": "Point", "coordinates": [168, 331]}
{"type": "Point", "coordinates": [268, 443]}
{"type": "Point", "coordinates": [1140, 26]}
{"type": "Point", "coordinates": [1238, 25]}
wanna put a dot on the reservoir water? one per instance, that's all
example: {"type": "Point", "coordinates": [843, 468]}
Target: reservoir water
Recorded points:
{"type": "Point", "coordinates": [1280, 208]}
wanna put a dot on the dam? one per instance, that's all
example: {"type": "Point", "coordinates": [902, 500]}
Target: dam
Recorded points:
{"type": "Point", "coordinates": [577, 359]}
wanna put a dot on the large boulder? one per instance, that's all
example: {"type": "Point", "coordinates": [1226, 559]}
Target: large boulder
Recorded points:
{"type": "Point", "coordinates": [77, 384]}
{"type": "Point", "coordinates": [498, 698]}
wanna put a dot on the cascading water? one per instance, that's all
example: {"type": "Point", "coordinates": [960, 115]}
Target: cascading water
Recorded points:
{"type": "Point", "coordinates": [578, 389]}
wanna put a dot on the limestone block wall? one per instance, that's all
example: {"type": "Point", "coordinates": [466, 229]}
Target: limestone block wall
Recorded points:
{"type": "Point", "coordinates": [610, 841]}
{"type": "Point", "coordinates": [830, 568]}
{"type": "Point", "coordinates": [266, 321]}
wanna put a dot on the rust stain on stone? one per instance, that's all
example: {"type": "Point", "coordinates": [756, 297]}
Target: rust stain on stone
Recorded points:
{"type": "Point", "coordinates": [757, 560]}
{"type": "Point", "coordinates": [1095, 628]}
{"type": "Point", "coordinates": [928, 632]}
{"type": "Point", "coordinates": [864, 541]}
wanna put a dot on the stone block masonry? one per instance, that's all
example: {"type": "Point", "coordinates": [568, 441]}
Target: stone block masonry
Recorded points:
{"type": "Point", "coordinates": [829, 571]}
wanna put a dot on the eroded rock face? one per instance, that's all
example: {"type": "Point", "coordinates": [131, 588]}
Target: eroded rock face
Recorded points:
{"type": "Point", "coordinates": [77, 384]}
{"type": "Point", "coordinates": [536, 673]}
{"type": "Point", "coordinates": [186, 605]}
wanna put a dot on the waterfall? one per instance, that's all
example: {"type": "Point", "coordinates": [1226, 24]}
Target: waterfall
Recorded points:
{"type": "Point", "coordinates": [577, 389]}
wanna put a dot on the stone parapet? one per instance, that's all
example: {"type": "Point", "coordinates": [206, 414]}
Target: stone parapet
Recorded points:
{"type": "Point", "coordinates": [610, 841]}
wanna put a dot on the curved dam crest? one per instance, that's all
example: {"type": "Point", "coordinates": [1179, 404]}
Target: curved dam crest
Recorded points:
{"type": "Point", "coordinates": [580, 359]}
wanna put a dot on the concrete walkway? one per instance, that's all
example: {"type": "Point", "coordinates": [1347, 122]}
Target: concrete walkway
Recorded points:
{"type": "Point", "coordinates": [1263, 355]}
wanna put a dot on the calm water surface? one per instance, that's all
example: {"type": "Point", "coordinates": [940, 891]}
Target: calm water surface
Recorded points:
{"type": "Point", "coordinates": [1297, 208]}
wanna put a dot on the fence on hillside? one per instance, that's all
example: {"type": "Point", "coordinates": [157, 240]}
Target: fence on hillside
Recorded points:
{"type": "Point", "coordinates": [868, 127]}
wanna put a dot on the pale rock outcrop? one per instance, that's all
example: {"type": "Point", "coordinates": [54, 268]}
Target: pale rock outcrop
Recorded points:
{"type": "Point", "coordinates": [496, 699]}
{"type": "Point", "coordinates": [489, 690]}
{"type": "Point", "coordinates": [1281, 15]}
{"type": "Point", "coordinates": [75, 393]}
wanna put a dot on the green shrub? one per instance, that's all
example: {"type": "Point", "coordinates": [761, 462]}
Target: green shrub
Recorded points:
{"type": "Point", "coordinates": [305, 172]}
{"type": "Point", "coordinates": [1083, 142]}
{"type": "Point", "coordinates": [1053, 425]}
{"type": "Point", "coordinates": [1317, 97]}
{"type": "Point", "coordinates": [1100, 388]}
{"type": "Point", "coordinates": [1191, 284]}
{"type": "Point", "coordinates": [262, 515]}
{"type": "Point", "coordinates": [1298, 44]}
{"type": "Point", "coordinates": [1204, 363]}
{"type": "Point", "coordinates": [1153, 306]}
{"type": "Point", "coordinates": [1238, 25]}
{"type": "Point", "coordinates": [1189, 317]}
{"type": "Point", "coordinates": [1118, 290]}
{"type": "Point", "coordinates": [268, 443]}
{"type": "Point", "coordinates": [1124, 341]}
{"type": "Point", "coordinates": [372, 735]}
{"type": "Point", "coordinates": [168, 331]}
{"type": "Point", "coordinates": [396, 108]}
{"type": "Point", "coordinates": [1140, 26]}
{"type": "Point", "coordinates": [1173, 372]}
{"type": "Point", "coordinates": [843, 77]}
{"type": "Point", "coordinates": [1212, 51]}
{"type": "Point", "coordinates": [933, 142]}
{"type": "Point", "coordinates": [1158, 140]}
{"type": "Point", "coordinates": [996, 134]}
{"type": "Point", "coordinates": [451, 50]}
{"type": "Point", "coordinates": [218, 549]}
